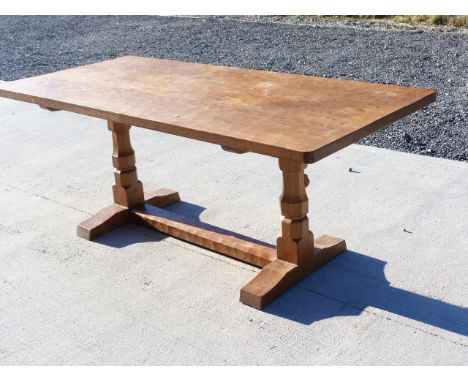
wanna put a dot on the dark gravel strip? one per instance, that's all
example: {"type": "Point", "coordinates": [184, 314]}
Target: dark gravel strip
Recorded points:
{"type": "Point", "coordinates": [415, 57]}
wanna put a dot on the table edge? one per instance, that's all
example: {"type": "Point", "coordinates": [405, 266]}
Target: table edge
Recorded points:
{"type": "Point", "coordinates": [222, 140]}
{"type": "Point", "coordinates": [378, 124]}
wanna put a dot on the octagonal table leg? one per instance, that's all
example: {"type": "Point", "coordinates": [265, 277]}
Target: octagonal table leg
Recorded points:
{"type": "Point", "coordinates": [297, 253]}
{"type": "Point", "coordinates": [127, 190]}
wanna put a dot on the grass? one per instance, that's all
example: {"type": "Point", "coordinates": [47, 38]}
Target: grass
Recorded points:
{"type": "Point", "coordinates": [445, 20]}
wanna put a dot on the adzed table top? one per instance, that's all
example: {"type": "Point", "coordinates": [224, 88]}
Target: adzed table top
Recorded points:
{"type": "Point", "coordinates": [291, 116]}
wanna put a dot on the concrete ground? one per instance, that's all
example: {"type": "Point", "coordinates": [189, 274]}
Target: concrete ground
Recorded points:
{"type": "Point", "coordinates": [137, 297]}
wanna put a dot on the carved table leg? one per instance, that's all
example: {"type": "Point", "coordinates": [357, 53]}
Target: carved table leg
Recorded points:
{"type": "Point", "coordinates": [128, 190]}
{"type": "Point", "coordinates": [297, 256]}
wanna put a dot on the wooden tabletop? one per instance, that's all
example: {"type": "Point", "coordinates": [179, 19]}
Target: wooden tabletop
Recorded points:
{"type": "Point", "coordinates": [289, 116]}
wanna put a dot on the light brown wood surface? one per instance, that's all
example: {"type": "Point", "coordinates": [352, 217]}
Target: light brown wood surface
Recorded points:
{"type": "Point", "coordinates": [278, 276]}
{"type": "Point", "coordinates": [289, 116]}
{"type": "Point", "coordinates": [207, 236]}
{"type": "Point", "coordinates": [128, 190]}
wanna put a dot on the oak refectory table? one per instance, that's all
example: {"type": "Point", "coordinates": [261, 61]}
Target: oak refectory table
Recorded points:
{"type": "Point", "coordinates": [295, 118]}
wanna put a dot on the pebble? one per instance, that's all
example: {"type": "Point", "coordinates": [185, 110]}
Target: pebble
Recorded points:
{"type": "Point", "coordinates": [350, 49]}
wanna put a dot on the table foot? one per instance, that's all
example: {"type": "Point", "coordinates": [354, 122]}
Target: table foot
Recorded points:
{"type": "Point", "coordinates": [279, 275]}
{"type": "Point", "coordinates": [114, 216]}
{"type": "Point", "coordinates": [104, 221]}
{"type": "Point", "coordinates": [162, 198]}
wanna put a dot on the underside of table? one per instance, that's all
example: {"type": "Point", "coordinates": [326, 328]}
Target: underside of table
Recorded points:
{"type": "Point", "coordinates": [296, 254]}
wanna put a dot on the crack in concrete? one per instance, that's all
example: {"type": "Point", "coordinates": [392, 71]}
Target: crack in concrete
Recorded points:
{"type": "Point", "coordinates": [46, 198]}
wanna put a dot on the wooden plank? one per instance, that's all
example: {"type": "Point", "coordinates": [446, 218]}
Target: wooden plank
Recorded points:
{"type": "Point", "coordinates": [290, 116]}
{"type": "Point", "coordinates": [204, 235]}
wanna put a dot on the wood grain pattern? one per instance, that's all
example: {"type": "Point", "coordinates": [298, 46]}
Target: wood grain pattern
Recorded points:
{"type": "Point", "coordinates": [104, 221]}
{"type": "Point", "coordinates": [296, 243]}
{"type": "Point", "coordinates": [128, 190]}
{"type": "Point", "coordinates": [204, 235]}
{"type": "Point", "coordinates": [114, 216]}
{"type": "Point", "coordinates": [162, 198]}
{"type": "Point", "coordinates": [302, 118]}
{"type": "Point", "coordinates": [278, 276]}
{"type": "Point", "coordinates": [297, 254]}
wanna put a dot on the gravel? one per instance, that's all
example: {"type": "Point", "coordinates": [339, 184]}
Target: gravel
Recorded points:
{"type": "Point", "coordinates": [385, 53]}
